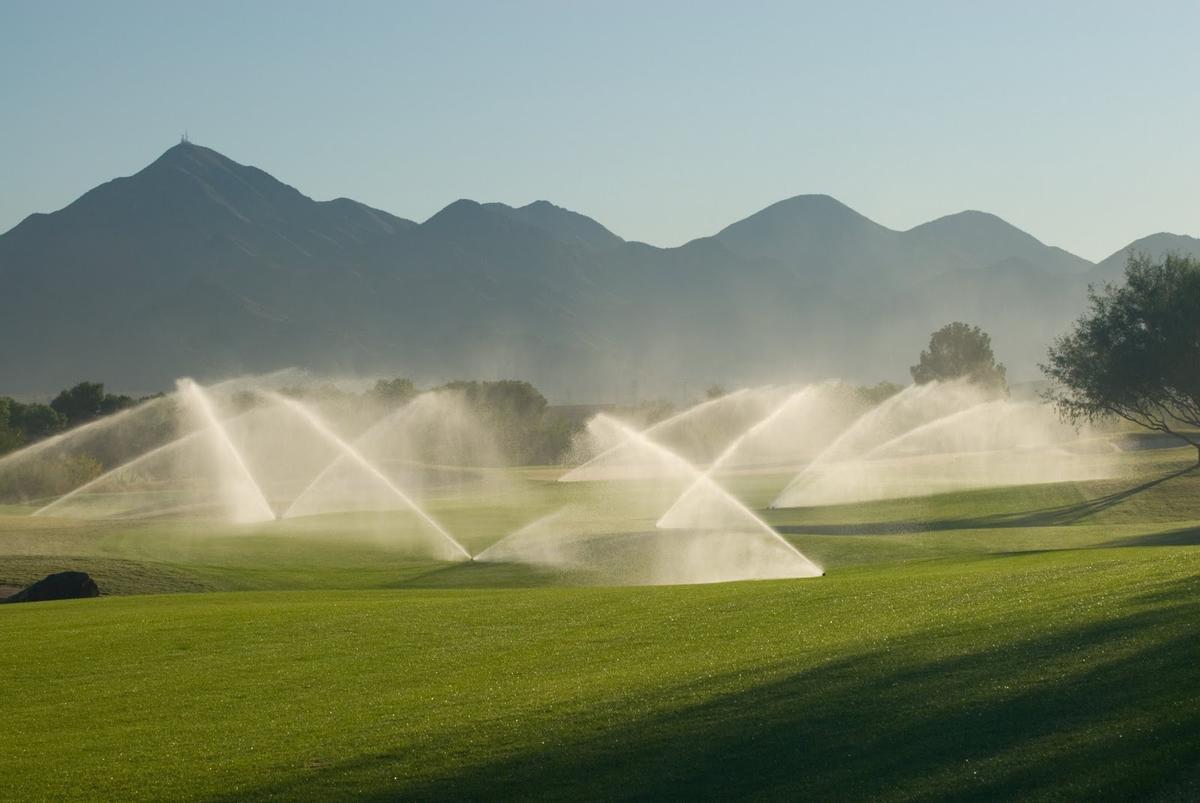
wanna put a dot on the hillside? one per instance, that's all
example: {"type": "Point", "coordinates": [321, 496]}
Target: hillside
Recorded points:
{"type": "Point", "coordinates": [1156, 245]}
{"type": "Point", "coordinates": [199, 265]}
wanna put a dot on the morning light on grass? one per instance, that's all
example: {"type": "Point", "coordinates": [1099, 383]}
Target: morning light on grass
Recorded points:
{"type": "Point", "coordinates": [420, 497]}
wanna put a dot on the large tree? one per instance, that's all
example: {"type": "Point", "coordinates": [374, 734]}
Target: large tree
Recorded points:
{"type": "Point", "coordinates": [33, 421]}
{"type": "Point", "coordinates": [1136, 353]}
{"type": "Point", "coordinates": [10, 438]}
{"type": "Point", "coordinates": [393, 392]}
{"type": "Point", "coordinates": [87, 401]}
{"type": "Point", "coordinates": [80, 403]}
{"type": "Point", "coordinates": [960, 351]}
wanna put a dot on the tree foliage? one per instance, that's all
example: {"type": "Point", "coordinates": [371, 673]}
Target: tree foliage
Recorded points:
{"type": "Point", "coordinates": [25, 422]}
{"type": "Point", "coordinates": [878, 393]}
{"type": "Point", "coordinates": [526, 428]}
{"type": "Point", "coordinates": [960, 351]}
{"type": "Point", "coordinates": [1136, 353]}
{"type": "Point", "coordinates": [87, 401]}
{"type": "Point", "coordinates": [393, 392]}
{"type": "Point", "coordinates": [519, 417]}
{"type": "Point", "coordinates": [9, 438]}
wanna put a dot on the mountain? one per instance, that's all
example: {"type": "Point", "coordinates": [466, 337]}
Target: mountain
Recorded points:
{"type": "Point", "coordinates": [816, 235]}
{"type": "Point", "coordinates": [820, 237]}
{"type": "Point", "coordinates": [1156, 245]}
{"type": "Point", "coordinates": [563, 225]}
{"type": "Point", "coordinates": [198, 265]}
{"type": "Point", "coordinates": [980, 239]}
{"type": "Point", "coordinates": [149, 270]}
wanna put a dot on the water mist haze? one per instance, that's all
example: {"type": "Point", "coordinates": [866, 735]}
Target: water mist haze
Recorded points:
{"type": "Point", "coordinates": [632, 503]}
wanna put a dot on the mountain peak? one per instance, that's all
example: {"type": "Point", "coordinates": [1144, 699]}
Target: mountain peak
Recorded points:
{"type": "Point", "coordinates": [981, 239]}
{"type": "Point", "coordinates": [183, 153]}
{"type": "Point", "coordinates": [807, 211]}
{"type": "Point", "coordinates": [462, 211]}
{"type": "Point", "coordinates": [566, 226]}
{"type": "Point", "coordinates": [816, 228]}
{"type": "Point", "coordinates": [814, 200]}
{"type": "Point", "coordinates": [1155, 245]}
{"type": "Point", "coordinates": [559, 224]}
{"type": "Point", "coordinates": [972, 216]}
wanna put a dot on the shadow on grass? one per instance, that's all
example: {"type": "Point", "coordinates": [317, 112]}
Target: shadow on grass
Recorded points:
{"type": "Point", "coordinates": [1046, 517]}
{"type": "Point", "coordinates": [1187, 536]}
{"type": "Point", "coordinates": [485, 574]}
{"type": "Point", "coordinates": [1105, 710]}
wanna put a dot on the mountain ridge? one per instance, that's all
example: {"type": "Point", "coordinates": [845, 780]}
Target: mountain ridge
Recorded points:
{"type": "Point", "coordinates": [197, 264]}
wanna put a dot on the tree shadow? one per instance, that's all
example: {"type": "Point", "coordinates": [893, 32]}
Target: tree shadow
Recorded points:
{"type": "Point", "coordinates": [1109, 709]}
{"type": "Point", "coordinates": [1046, 517]}
{"type": "Point", "coordinates": [490, 574]}
{"type": "Point", "coordinates": [1187, 536]}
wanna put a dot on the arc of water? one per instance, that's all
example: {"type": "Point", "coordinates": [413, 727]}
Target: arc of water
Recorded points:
{"type": "Point", "coordinates": [355, 456]}
{"type": "Point", "coordinates": [75, 432]}
{"type": "Point", "coordinates": [405, 409]}
{"type": "Point", "coordinates": [109, 420]}
{"type": "Point", "coordinates": [654, 428]}
{"type": "Point", "coordinates": [387, 419]}
{"type": "Point", "coordinates": [697, 475]}
{"type": "Point", "coordinates": [262, 508]}
{"type": "Point", "coordinates": [541, 521]}
{"type": "Point", "coordinates": [864, 420]}
{"type": "Point", "coordinates": [733, 447]}
{"type": "Point", "coordinates": [178, 443]}
{"type": "Point", "coordinates": [929, 426]}
{"type": "Point", "coordinates": [256, 382]}
{"type": "Point", "coordinates": [175, 444]}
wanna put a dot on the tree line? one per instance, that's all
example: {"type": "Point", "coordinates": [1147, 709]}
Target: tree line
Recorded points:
{"type": "Point", "coordinates": [530, 431]}
{"type": "Point", "coordinates": [23, 423]}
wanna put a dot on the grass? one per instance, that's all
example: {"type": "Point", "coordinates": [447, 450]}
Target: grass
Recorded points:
{"type": "Point", "coordinates": [1031, 642]}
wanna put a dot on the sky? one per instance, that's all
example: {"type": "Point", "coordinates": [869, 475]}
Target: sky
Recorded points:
{"type": "Point", "coordinates": [666, 121]}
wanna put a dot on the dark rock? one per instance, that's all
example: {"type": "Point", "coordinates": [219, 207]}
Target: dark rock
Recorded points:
{"type": "Point", "coordinates": [61, 585]}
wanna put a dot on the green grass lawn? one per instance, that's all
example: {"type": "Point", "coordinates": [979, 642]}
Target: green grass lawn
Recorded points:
{"type": "Point", "coordinates": [1030, 642]}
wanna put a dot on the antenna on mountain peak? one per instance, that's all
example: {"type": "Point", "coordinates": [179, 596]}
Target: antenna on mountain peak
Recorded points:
{"type": "Point", "coordinates": [183, 140]}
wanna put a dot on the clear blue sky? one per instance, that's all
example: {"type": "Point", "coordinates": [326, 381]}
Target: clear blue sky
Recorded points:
{"type": "Point", "coordinates": [1079, 122]}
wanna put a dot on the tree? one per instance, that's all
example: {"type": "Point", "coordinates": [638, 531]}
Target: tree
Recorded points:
{"type": "Point", "coordinates": [715, 391]}
{"type": "Point", "coordinates": [80, 403]}
{"type": "Point", "coordinates": [33, 421]}
{"type": "Point", "coordinates": [877, 393]}
{"type": "Point", "coordinates": [1136, 353]}
{"type": "Point", "coordinates": [112, 404]}
{"type": "Point", "coordinates": [516, 413]}
{"type": "Point", "coordinates": [393, 392]}
{"type": "Point", "coordinates": [87, 401]}
{"type": "Point", "coordinates": [10, 438]}
{"type": "Point", "coordinates": [650, 412]}
{"type": "Point", "coordinates": [960, 351]}
{"type": "Point", "coordinates": [505, 398]}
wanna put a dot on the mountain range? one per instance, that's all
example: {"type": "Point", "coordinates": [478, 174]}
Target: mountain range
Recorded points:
{"type": "Point", "coordinates": [201, 266]}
